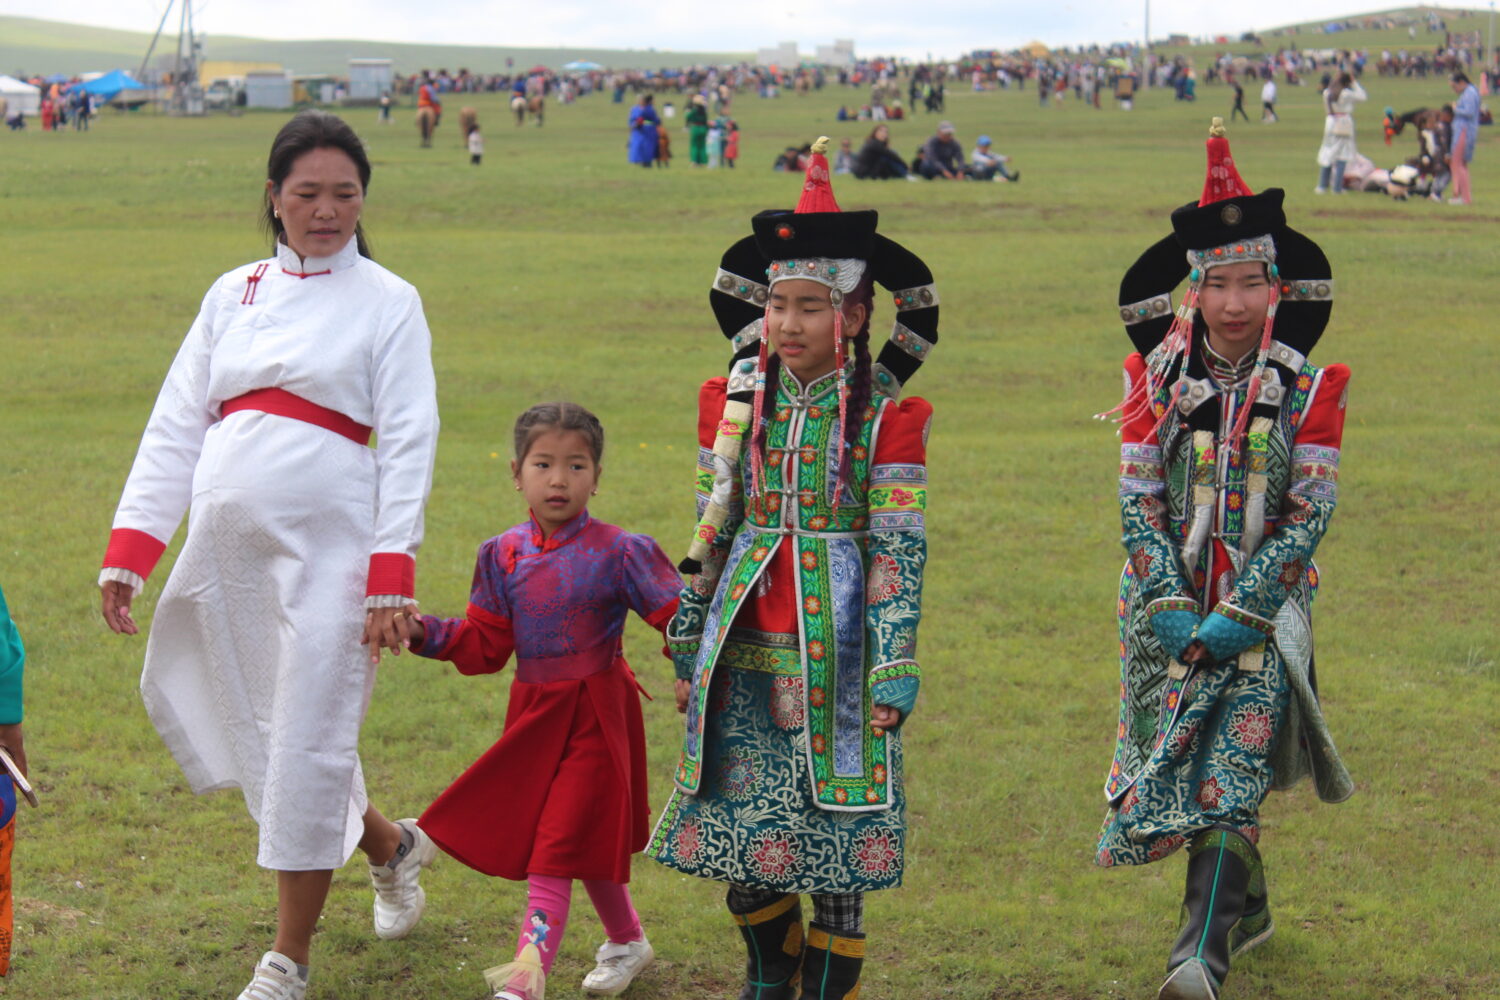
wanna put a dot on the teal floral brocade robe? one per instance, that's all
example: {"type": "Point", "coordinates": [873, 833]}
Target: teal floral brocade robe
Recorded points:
{"type": "Point", "coordinates": [802, 620]}
{"type": "Point", "coordinates": [1220, 549]}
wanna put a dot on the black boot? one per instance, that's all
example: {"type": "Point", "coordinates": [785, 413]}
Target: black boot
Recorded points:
{"type": "Point", "coordinates": [1255, 925]}
{"type": "Point", "coordinates": [1218, 874]}
{"type": "Point", "coordinates": [773, 944]}
{"type": "Point", "coordinates": [831, 964]}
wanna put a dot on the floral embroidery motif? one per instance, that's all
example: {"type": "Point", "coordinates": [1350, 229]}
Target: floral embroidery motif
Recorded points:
{"type": "Point", "coordinates": [1210, 792]}
{"type": "Point", "coordinates": [688, 842]}
{"type": "Point", "coordinates": [1164, 846]}
{"type": "Point", "coordinates": [1291, 573]}
{"type": "Point", "coordinates": [884, 580]}
{"type": "Point", "coordinates": [1253, 729]}
{"type": "Point", "coordinates": [788, 710]}
{"type": "Point", "coordinates": [774, 855]}
{"type": "Point", "coordinates": [875, 853]}
{"type": "Point", "coordinates": [739, 773]}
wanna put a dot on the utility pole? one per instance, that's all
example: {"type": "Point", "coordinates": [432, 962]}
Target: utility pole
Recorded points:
{"type": "Point", "coordinates": [141, 75]}
{"type": "Point", "coordinates": [1146, 51]}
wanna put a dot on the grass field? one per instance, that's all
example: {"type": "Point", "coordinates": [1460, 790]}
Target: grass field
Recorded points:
{"type": "Point", "coordinates": [557, 270]}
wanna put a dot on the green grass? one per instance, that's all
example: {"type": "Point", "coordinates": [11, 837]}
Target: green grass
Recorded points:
{"type": "Point", "coordinates": [556, 269]}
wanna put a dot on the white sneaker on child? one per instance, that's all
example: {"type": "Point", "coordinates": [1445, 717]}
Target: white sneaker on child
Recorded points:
{"type": "Point", "coordinates": [275, 979]}
{"type": "Point", "coordinates": [617, 965]}
{"type": "Point", "coordinates": [399, 900]}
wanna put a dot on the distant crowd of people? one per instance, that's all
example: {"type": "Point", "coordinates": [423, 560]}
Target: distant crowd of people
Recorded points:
{"type": "Point", "coordinates": [62, 104]}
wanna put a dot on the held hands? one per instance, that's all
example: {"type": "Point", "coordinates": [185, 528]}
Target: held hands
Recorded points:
{"type": "Point", "coordinates": [1196, 652]}
{"type": "Point", "coordinates": [682, 689]}
{"type": "Point", "coordinates": [115, 600]}
{"type": "Point", "coordinates": [392, 628]}
{"type": "Point", "coordinates": [13, 741]}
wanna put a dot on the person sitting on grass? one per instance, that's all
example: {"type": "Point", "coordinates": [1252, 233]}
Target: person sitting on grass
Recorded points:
{"type": "Point", "coordinates": [876, 160]}
{"type": "Point", "coordinates": [987, 165]}
{"type": "Point", "coordinates": [943, 157]}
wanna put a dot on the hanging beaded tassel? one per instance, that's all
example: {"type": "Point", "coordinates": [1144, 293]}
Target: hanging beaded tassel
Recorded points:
{"type": "Point", "coordinates": [756, 467]}
{"type": "Point", "coordinates": [1176, 345]}
{"type": "Point", "coordinates": [843, 393]}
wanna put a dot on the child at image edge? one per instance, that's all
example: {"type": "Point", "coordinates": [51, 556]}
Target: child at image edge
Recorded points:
{"type": "Point", "coordinates": [562, 795]}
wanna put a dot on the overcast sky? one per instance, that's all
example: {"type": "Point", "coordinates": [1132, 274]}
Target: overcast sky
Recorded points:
{"type": "Point", "coordinates": [905, 27]}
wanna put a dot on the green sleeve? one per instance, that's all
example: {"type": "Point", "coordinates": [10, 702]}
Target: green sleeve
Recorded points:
{"type": "Point", "coordinates": [12, 667]}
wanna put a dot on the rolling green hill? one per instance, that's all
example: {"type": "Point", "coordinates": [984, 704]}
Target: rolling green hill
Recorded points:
{"type": "Point", "coordinates": [31, 46]}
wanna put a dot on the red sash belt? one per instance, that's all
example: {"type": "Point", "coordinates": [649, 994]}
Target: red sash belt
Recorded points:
{"type": "Point", "coordinates": [280, 403]}
{"type": "Point", "coordinates": [568, 667]}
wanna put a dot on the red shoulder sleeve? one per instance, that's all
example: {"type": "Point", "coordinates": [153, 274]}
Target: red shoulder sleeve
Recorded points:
{"type": "Point", "coordinates": [1141, 425]}
{"type": "Point", "coordinates": [1323, 423]}
{"type": "Point", "coordinates": [711, 409]}
{"type": "Point", "coordinates": [903, 433]}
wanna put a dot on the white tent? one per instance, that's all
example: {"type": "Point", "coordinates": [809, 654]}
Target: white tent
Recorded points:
{"type": "Point", "coordinates": [20, 96]}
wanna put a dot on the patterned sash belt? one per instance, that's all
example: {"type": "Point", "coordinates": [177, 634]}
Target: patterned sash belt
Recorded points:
{"type": "Point", "coordinates": [569, 666]}
{"type": "Point", "coordinates": [781, 529]}
{"type": "Point", "coordinates": [280, 403]}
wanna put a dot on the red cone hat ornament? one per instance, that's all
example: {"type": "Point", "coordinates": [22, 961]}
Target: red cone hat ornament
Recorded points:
{"type": "Point", "coordinates": [1223, 180]}
{"type": "Point", "coordinates": [817, 190]}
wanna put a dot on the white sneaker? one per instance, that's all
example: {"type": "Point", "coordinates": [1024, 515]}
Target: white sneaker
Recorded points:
{"type": "Point", "coordinates": [399, 900]}
{"type": "Point", "coordinates": [275, 979]}
{"type": "Point", "coordinates": [617, 965]}
{"type": "Point", "coordinates": [1320, 190]}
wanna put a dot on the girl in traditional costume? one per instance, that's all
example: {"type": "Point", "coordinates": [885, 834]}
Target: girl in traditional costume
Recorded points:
{"type": "Point", "coordinates": [1229, 466]}
{"type": "Point", "coordinates": [562, 795]}
{"type": "Point", "coordinates": [795, 643]}
{"type": "Point", "coordinates": [301, 540]}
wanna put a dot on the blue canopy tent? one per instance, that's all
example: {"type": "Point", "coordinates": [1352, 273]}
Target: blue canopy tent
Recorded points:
{"type": "Point", "coordinates": [110, 84]}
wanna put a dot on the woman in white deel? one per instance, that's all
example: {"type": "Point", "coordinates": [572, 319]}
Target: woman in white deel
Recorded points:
{"type": "Point", "coordinates": [1338, 132]}
{"type": "Point", "coordinates": [301, 538]}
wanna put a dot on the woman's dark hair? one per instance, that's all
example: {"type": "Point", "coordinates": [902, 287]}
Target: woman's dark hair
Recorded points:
{"type": "Point", "coordinates": [859, 386]}
{"type": "Point", "coordinates": [1459, 77]}
{"type": "Point", "coordinates": [544, 417]}
{"type": "Point", "coordinates": [647, 99]}
{"type": "Point", "coordinates": [307, 131]}
{"type": "Point", "coordinates": [873, 138]}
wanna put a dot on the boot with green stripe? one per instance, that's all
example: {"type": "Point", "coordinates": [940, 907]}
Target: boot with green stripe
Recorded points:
{"type": "Point", "coordinates": [1255, 925]}
{"type": "Point", "coordinates": [831, 964]}
{"type": "Point", "coordinates": [1219, 863]}
{"type": "Point", "coordinates": [773, 946]}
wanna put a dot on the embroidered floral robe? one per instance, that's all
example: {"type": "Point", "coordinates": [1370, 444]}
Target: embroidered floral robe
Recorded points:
{"type": "Point", "coordinates": [1220, 549]}
{"type": "Point", "coordinates": [819, 608]}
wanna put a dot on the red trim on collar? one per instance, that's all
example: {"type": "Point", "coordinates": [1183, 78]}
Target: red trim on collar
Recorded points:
{"type": "Point", "coordinates": [563, 535]}
{"type": "Point", "coordinates": [307, 274]}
